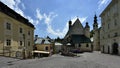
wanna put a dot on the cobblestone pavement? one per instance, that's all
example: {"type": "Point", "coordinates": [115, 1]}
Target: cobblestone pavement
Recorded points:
{"type": "Point", "coordinates": [86, 60]}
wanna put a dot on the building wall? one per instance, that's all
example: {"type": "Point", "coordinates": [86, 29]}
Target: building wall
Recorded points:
{"type": "Point", "coordinates": [86, 47]}
{"type": "Point", "coordinates": [110, 32]}
{"type": "Point", "coordinates": [57, 48]}
{"type": "Point", "coordinates": [15, 36]}
{"type": "Point", "coordinates": [41, 47]}
{"type": "Point", "coordinates": [96, 42]}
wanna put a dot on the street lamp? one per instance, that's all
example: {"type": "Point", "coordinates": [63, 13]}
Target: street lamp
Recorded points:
{"type": "Point", "coordinates": [24, 47]}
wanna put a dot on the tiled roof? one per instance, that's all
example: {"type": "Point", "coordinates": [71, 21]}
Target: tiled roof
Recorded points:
{"type": "Point", "coordinates": [42, 41]}
{"type": "Point", "coordinates": [80, 39]}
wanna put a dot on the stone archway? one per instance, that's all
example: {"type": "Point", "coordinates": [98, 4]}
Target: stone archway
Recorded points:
{"type": "Point", "coordinates": [115, 48]}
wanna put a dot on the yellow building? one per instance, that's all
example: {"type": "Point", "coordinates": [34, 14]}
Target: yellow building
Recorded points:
{"type": "Point", "coordinates": [43, 47]}
{"type": "Point", "coordinates": [16, 34]}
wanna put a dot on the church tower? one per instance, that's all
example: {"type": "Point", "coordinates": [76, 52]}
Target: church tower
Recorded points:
{"type": "Point", "coordinates": [96, 35]}
{"type": "Point", "coordinates": [95, 25]}
{"type": "Point", "coordinates": [87, 30]}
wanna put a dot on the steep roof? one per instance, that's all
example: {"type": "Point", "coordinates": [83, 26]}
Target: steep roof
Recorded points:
{"type": "Point", "coordinates": [76, 28]}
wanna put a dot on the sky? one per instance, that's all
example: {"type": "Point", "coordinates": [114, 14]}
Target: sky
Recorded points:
{"type": "Point", "coordinates": [50, 17]}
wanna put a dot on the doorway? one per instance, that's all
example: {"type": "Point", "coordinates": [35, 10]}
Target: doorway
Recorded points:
{"type": "Point", "coordinates": [108, 49]}
{"type": "Point", "coordinates": [103, 48]}
{"type": "Point", "coordinates": [115, 48]}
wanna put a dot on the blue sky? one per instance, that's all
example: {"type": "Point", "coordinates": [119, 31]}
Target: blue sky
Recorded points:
{"type": "Point", "coordinates": [51, 17]}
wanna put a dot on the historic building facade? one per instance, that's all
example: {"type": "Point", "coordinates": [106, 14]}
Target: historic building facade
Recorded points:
{"type": "Point", "coordinates": [96, 35]}
{"type": "Point", "coordinates": [78, 37]}
{"type": "Point", "coordinates": [43, 47]}
{"type": "Point", "coordinates": [16, 34]}
{"type": "Point", "coordinates": [110, 28]}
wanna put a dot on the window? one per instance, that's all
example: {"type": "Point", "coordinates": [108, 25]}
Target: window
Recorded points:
{"type": "Point", "coordinates": [8, 42]}
{"type": "Point", "coordinates": [115, 22]}
{"type": "Point", "coordinates": [46, 48]}
{"type": "Point", "coordinates": [116, 34]}
{"type": "Point", "coordinates": [8, 26]}
{"type": "Point", "coordinates": [29, 43]}
{"type": "Point", "coordinates": [103, 37]}
{"type": "Point", "coordinates": [21, 30]}
{"type": "Point", "coordinates": [87, 45]}
{"type": "Point", "coordinates": [79, 45]}
{"type": "Point", "coordinates": [20, 43]}
{"type": "Point", "coordinates": [108, 26]}
{"type": "Point", "coordinates": [28, 32]}
{"type": "Point", "coordinates": [108, 36]}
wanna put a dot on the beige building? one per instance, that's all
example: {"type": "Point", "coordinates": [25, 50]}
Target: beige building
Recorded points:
{"type": "Point", "coordinates": [110, 30]}
{"type": "Point", "coordinates": [16, 34]}
{"type": "Point", "coordinates": [77, 37]}
{"type": "Point", "coordinates": [43, 47]}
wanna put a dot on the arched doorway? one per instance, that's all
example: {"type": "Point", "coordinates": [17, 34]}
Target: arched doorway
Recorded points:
{"type": "Point", "coordinates": [103, 48]}
{"type": "Point", "coordinates": [115, 48]}
{"type": "Point", "coordinates": [108, 49]}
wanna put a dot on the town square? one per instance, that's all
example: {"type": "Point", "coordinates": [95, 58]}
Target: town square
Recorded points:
{"type": "Point", "coordinates": [59, 34]}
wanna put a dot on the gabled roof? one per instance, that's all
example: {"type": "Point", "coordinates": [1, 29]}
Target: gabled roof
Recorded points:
{"type": "Point", "coordinates": [76, 28]}
{"type": "Point", "coordinates": [77, 23]}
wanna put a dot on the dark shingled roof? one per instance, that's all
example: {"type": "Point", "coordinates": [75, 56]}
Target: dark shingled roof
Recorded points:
{"type": "Point", "coordinates": [8, 11]}
{"type": "Point", "coordinates": [80, 39]}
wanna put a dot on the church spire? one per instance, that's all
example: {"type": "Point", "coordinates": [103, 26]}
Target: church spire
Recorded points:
{"type": "Point", "coordinates": [95, 19]}
{"type": "Point", "coordinates": [95, 25]}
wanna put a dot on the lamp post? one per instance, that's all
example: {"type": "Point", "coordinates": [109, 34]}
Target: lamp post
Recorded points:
{"type": "Point", "coordinates": [24, 47]}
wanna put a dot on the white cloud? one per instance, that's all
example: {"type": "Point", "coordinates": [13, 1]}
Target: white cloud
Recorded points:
{"type": "Point", "coordinates": [102, 3]}
{"type": "Point", "coordinates": [38, 14]}
{"type": "Point", "coordinates": [10, 3]}
{"type": "Point", "coordinates": [82, 19]}
{"type": "Point", "coordinates": [14, 4]}
{"type": "Point", "coordinates": [57, 32]}
{"type": "Point", "coordinates": [48, 18]}
{"type": "Point", "coordinates": [23, 6]}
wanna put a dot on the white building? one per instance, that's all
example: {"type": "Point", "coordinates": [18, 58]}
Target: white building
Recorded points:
{"type": "Point", "coordinates": [110, 30]}
{"type": "Point", "coordinates": [58, 47]}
